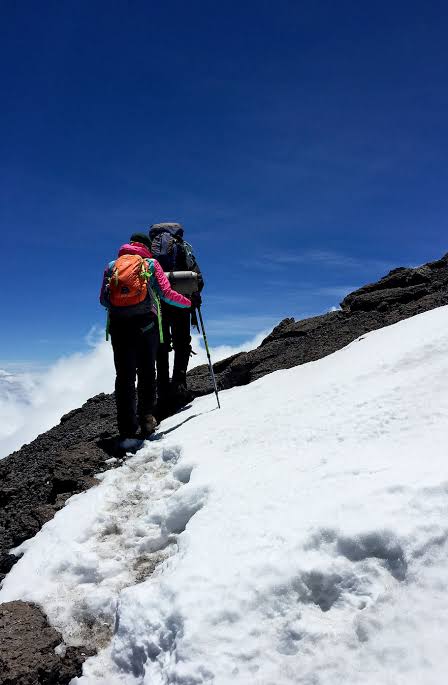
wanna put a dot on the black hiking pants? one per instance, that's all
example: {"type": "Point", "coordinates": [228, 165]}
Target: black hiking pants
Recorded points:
{"type": "Point", "coordinates": [134, 342]}
{"type": "Point", "coordinates": [176, 335]}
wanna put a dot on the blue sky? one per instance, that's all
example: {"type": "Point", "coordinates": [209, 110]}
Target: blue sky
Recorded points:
{"type": "Point", "coordinates": [302, 144]}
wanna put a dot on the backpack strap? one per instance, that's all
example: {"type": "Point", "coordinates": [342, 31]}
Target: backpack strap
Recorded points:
{"type": "Point", "coordinates": [155, 297]}
{"type": "Point", "coordinates": [145, 273]}
{"type": "Point", "coordinates": [189, 256]}
{"type": "Point", "coordinates": [159, 319]}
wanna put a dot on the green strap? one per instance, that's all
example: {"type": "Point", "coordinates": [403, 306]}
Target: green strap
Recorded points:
{"type": "Point", "coordinates": [155, 298]}
{"type": "Point", "coordinates": [145, 274]}
{"type": "Point", "coordinates": [159, 318]}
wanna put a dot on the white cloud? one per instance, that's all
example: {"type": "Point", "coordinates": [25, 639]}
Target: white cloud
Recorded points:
{"type": "Point", "coordinates": [337, 290]}
{"type": "Point", "coordinates": [223, 351]}
{"type": "Point", "coordinates": [239, 325]}
{"type": "Point", "coordinates": [34, 402]}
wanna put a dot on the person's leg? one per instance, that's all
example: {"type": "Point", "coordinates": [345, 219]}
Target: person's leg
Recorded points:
{"type": "Point", "coordinates": [124, 348]}
{"type": "Point", "coordinates": [146, 360]}
{"type": "Point", "coordinates": [163, 369]}
{"type": "Point", "coordinates": [180, 331]}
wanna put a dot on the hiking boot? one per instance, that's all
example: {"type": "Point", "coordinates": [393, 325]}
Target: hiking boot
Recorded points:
{"type": "Point", "coordinates": [148, 426]}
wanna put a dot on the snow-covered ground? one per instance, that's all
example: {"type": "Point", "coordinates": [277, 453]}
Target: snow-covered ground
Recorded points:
{"type": "Point", "coordinates": [299, 535]}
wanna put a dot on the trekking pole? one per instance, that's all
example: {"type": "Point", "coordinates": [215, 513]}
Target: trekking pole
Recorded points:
{"type": "Point", "coordinates": [210, 365]}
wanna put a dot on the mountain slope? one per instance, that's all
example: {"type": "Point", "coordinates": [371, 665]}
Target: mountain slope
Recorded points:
{"type": "Point", "coordinates": [36, 480]}
{"type": "Point", "coordinates": [298, 535]}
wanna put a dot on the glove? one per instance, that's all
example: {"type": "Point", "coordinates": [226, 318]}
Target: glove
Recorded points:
{"type": "Point", "coordinates": [196, 299]}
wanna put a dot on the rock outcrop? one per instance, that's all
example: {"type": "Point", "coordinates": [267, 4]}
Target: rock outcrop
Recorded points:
{"type": "Point", "coordinates": [31, 651]}
{"type": "Point", "coordinates": [399, 295]}
{"type": "Point", "coordinates": [36, 480]}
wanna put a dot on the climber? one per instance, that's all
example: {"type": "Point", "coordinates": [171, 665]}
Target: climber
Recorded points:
{"type": "Point", "coordinates": [132, 287]}
{"type": "Point", "coordinates": [174, 254]}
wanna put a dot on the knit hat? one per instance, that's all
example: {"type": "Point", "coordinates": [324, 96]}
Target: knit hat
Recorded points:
{"type": "Point", "coordinates": [141, 238]}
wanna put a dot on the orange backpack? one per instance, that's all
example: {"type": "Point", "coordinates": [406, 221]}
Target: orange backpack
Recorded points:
{"type": "Point", "coordinates": [128, 283]}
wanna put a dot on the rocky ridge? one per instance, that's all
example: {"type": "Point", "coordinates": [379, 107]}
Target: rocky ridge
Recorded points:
{"type": "Point", "coordinates": [34, 656]}
{"type": "Point", "coordinates": [36, 480]}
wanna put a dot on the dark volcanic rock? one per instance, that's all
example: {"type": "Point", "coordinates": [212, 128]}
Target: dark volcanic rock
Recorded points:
{"type": "Point", "coordinates": [27, 649]}
{"type": "Point", "coordinates": [399, 286]}
{"type": "Point", "coordinates": [36, 480]}
{"type": "Point", "coordinates": [399, 295]}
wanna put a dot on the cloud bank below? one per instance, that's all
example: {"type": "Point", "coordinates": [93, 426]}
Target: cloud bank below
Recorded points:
{"type": "Point", "coordinates": [31, 403]}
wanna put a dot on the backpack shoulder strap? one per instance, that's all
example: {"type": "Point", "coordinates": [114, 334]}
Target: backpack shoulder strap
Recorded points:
{"type": "Point", "coordinates": [189, 255]}
{"type": "Point", "coordinates": [155, 296]}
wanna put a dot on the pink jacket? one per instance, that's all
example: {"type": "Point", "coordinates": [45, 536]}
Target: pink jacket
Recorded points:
{"type": "Point", "coordinates": [158, 279]}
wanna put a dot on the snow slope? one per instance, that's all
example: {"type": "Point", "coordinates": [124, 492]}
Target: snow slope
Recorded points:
{"type": "Point", "coordinates": [299, 535]}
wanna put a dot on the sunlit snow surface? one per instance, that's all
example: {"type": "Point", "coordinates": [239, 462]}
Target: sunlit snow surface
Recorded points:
{"type": "Point", "coordinates": [299, 535]}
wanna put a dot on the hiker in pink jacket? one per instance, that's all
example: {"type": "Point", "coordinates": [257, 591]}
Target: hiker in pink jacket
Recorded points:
{"type": "Point", "coordinates": [132, 287]}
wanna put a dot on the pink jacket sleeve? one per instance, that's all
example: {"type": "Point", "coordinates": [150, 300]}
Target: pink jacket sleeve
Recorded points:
{"type": "Point", "coordinates": [168, 294]}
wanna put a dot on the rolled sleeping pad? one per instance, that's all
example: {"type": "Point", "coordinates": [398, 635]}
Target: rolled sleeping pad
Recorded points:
{"type": "Point", "coordinates": [184, 282]}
